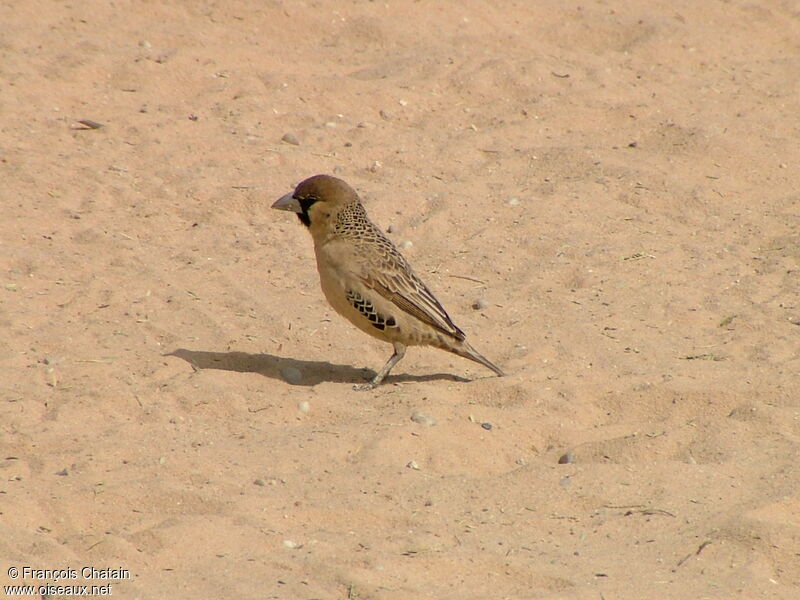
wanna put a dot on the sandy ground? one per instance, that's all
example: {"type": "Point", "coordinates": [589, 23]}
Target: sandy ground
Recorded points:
{"type": "Point", "coordinates": [619, 184]}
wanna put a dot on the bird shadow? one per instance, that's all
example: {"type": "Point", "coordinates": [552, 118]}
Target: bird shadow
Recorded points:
{"type": "Point", "coordinates": [312, 372]}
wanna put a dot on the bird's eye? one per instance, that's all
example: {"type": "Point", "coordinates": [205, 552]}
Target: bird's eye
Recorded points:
{"type": "Point", "coordinates": [307, 201]}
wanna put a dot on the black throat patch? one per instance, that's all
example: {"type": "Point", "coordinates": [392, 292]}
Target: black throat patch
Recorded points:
{"type": "Point", "coordinates": [305, 204]}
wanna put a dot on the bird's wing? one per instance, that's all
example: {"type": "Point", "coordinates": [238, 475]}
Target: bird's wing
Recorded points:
{"type": "Point", "coordinates": [406, 291]}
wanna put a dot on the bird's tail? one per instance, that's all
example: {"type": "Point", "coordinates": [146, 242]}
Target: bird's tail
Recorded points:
{"type": "Point", "coordinates": [467, 351]}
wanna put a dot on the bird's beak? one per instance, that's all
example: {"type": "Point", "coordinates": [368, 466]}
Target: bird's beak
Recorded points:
{"type": "Point", "coordinates": [288, 202]}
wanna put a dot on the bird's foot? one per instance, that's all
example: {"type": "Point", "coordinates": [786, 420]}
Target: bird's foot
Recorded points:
{"type": "Point", "coordinates": [373, 383]}
{"type": "Point", "coordinates": [363, 387]}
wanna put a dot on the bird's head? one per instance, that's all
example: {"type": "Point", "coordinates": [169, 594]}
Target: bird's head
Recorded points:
{"type": "Point", "coordinates": [317, 199]}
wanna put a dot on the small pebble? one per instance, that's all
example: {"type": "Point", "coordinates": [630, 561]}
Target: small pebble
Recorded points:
{"type": "Point", "coordinates": [406, 244]}
{"type": "Point", "coordinates": [259, 482]}
{"type": "Point", "coordinates": [566, 459]}
{"type": "Point", "coordinates": [385, 115]}
{"type": "Point", "coordinates": [375, 166]}
{"type": "Point", "coordinates": [513, 201]}
{"type": "Point", "coordinates": [292, 375]}
{"type": "Point", "coordinates": [303, 406]}
{"type": "Point", "coordinates": [479, 304]}
{"type": "Point", "coordinates": [423, 419]}
{"type": "Point", "coordinates": [290, 138]}
{"type": "Point", "coordinates": [413, 465]}
{"type": "Point", "coordinates": [486, 426]}
{"type": "Point", "coordinates": [63, 472]}
{"type": "Point", "coordinates": [291, 544]}
{"type": "Point", "coordinates": [391, 229]}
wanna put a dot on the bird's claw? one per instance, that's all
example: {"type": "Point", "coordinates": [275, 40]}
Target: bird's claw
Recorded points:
{"type": "Point", "coordinates": [363, 387]}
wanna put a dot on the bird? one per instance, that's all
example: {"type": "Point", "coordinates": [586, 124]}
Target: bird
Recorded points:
{"type": "Point", "coordinates": [366, 279]}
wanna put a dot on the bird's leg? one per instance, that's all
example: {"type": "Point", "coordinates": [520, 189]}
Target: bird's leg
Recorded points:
{"type": "Point", "coordinates": [399, 352]}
